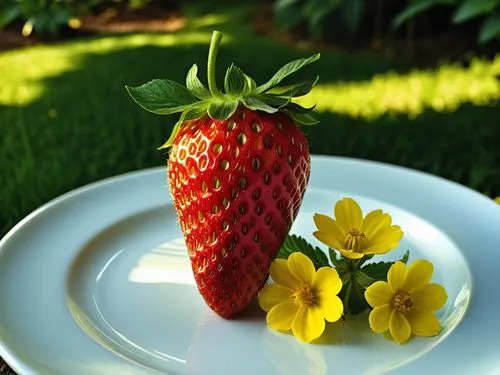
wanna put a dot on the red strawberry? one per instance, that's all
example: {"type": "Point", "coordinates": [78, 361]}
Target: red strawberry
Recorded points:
{"type": "Point", "coordinates": [238, 170]}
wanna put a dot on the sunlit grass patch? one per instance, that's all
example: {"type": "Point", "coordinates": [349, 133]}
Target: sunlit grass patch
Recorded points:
{"type": "Point", "coordinates": [24, 71]}
{"type": "Point", "coordinates": [443, 89]}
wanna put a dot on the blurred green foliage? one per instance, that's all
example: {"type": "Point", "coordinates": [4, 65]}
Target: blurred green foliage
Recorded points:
{"type": "Point", "coordinates": [316, 13]}
{"type": "Point", "coordinates": [465, 10]}
{"type": "Point", "coordinates": [323, 15]}
{"type": "Point", "coordinates": [48, 17]}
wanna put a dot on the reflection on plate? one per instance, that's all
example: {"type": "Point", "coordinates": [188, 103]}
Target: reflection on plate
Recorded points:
{"type": "Point", "coordinates": [98, 281]}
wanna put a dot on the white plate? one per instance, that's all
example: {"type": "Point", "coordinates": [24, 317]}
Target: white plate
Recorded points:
{"type": "Point", "coordinates": [98, 282]}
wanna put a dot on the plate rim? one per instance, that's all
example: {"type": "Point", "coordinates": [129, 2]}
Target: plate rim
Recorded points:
{"type": "Point", "coordinates": [18, 365]}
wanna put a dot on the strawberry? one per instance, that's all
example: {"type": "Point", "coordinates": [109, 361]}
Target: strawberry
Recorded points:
{"type": "Point", "coordinates": [237, 171]}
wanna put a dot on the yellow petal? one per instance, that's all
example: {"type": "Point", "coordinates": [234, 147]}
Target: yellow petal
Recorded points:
{"type": "Point", "coordinates": [328, 239]}
{"type": "Point", "coordinates": [273, 294]}
{"type": "Point", "coordinates": [327, 280]}
{"type": "Point", "coordinates": [390, 236]}
{"type": "Point", "coordinates": [431, 297]}
{"type": "Point", "coordinates": [423, 323]}
{"type": "Point", "coordinates": [350, 254]}
{"type": "Point", "coordinates": [280, 273]}
{"type": "Point", "coordinates": [348, 214]}
{"type": "Point", "coordinates": [378, 294]}
{"type": "Point", "coordinates": [281, 316]}
{"type": "Point", "coordinates": [308, 324]}
{"type": "Point", "coordinates": [379, 318]}
{"type": "Point", "coordinates": [377, 249]}
{"type": "Point", "coordinates": [374, 222]}
{"type": "Point", "coordinates": [399, 327]}
{"type": "Point", "coordinates": [329, 232]}
{"type": "Point", "coordinates": [418, 274]}
{"type": "Point", "coordinates": [301, 267]}
{"type": "Point", "coordinates": [331, 306]}
{"type": "Point", "coordinates": [396, 275]}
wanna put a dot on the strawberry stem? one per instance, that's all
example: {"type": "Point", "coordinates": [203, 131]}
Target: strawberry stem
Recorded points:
{"type": "Point", "coordinates": [212, 56]}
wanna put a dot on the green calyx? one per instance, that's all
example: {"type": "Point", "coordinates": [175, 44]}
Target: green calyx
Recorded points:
{"type": "Point", "coordinates": [163, 96]}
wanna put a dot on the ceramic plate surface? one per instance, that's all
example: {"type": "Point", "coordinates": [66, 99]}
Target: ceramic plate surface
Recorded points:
{"type": "Point", "coordinates": [98, 282]}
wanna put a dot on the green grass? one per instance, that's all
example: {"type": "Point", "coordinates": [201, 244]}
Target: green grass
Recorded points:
{"type": "Point", "coordinates": [66, 120]}
{"type": "Point", "coordinates": [443, 89]}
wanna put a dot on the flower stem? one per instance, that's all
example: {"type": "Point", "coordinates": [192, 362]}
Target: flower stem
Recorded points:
{"type": "Point", "coordinates": [212, 56]}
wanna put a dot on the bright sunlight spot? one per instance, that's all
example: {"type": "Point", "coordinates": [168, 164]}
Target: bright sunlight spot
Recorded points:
{"type": "Point", "coordinates": [26, 71]}
{"type": "Point", "coordinates": [444, 89]}
{"type": "Point", "coordinates": [166, 263]}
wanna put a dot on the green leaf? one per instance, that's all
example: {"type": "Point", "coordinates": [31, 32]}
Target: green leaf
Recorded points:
{"type": "Point", "coordinates": [472, 8]}
{"type": "Point", "coordinates": [196, 111]}
{"type": "Point", "coordinates": [299, 89]}
{"type": "Point", "coordinates": [8, 15]}
{"type": "Point", "coordinates": [416, 7]}
{"type": "Point", "coordinates": [378, 271]}
{"type": "Point", "coordinates": [285, 71]}
{"type": "Point", "coordinates": [333, 257]}
{"type": "Point", "coordinates": [295, 244]}
{"type": "Point", "coordinates": [298, 109]}
{"type": "Point", "coordinates": [363, 279]}
{"type": "Point", "coordinates": [235, 82]}
{"type": "Point", "coordinates": [289, 13]}
{"type": "Point", "coordinates": [194, 84]}
{"type": "Point", "coordinates": [490, 28]}
{"type": "Point", "coordinates": [173, 134]}
{"type": "Point", "coordinates": [363, 260]}
{"type": "Point", "coordinates": [303, 118]}
{"type": "Point", "coordinates": [250, 83]}
{"type": "Point", "coordinates": [274, 101]}
{"type": "Point", "coordinates": [222, 110]}
{"type": "Point", "coordinates": [256, 104]}
{"type": "Point", "coordinates": [353, 295]}
{"type": "Point", "coordinates": [351, 14]}
{"type": "Point", "coordinates": [316, 12]}
{"type": "Point", "coordinates": [162, 96]}
{"type": "Point", "coordinates": [405, 257]}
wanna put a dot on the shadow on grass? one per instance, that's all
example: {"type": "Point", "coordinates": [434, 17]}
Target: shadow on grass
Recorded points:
{"type": "Point", "coordinates": [85, 127]}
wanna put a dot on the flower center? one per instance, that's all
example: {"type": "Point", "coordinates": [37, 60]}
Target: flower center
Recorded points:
{"type": "Point", "coordinates": [353, 239]}
{"type": "Point", "coordinates": [402, 302]}
{"type": "Point", "coordinates": [304, 296]}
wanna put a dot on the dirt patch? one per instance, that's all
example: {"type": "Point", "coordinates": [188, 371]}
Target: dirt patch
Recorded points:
{"type": "Point", "coordinates": [157, 16]}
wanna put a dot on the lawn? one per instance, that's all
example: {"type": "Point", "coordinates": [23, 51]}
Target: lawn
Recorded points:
{"type": "Point", "coordinates": [66, 120]}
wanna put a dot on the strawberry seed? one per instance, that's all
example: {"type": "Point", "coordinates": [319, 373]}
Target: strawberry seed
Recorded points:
{"type": "Point", "coordinates": [217, 148]}
{"type": "Point", "coordinates": [256, 127]}
{"type": "Point", "coordinates": [241, 139]}
{"type": "Point", "coordinates": [256, 164]}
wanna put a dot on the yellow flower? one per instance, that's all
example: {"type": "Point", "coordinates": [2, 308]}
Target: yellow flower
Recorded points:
{"type": "Point", "coordinates": [497, 199]}
{"type": "Point", "coordinates": [355, 236]}
{"type": "Point", "coordinates": [406, 303]}
{"type": "Point", "coordinates": [301, 298]}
